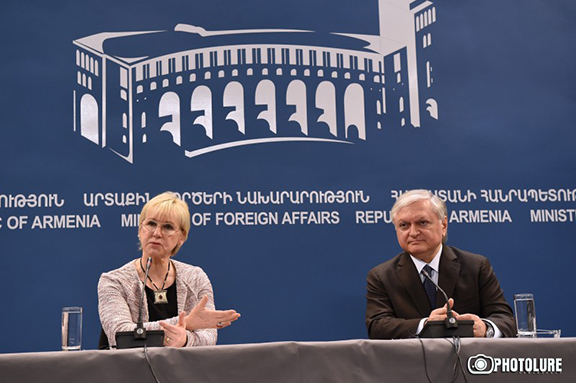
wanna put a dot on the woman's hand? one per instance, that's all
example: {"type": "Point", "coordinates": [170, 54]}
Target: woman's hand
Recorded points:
{"type": "Point", "coordinates": [175, 336]}
{"type": "Point", "coordinates": [200, 317]}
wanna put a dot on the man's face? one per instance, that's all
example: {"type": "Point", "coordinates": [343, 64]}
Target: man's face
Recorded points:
{"type": "Point", "coordinates": [419, 230]}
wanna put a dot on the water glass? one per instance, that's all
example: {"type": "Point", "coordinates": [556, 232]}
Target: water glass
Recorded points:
{"type": "Point", "coordinates": [525, 315]}
{"type": "Point", "coordinates": [71, 328]}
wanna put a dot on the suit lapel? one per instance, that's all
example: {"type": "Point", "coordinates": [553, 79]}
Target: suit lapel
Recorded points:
{"type": "Point", "coordinates": [406, 272]}
{"type": "Point", "coordinates": [449, 272]}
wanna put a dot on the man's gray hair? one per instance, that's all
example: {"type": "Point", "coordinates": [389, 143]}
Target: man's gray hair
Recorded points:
{"type": "Point", "coordinates": [416, 195]}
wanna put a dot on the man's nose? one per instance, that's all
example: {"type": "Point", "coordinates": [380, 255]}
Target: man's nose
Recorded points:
{"type": "Point", "coordinates": [414, 231]}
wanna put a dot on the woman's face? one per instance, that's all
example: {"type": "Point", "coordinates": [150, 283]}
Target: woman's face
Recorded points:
{"type": "Point", "coordinates": [159, 235]}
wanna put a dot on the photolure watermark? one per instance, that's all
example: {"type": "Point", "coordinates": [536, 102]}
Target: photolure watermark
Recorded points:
{"type": "Point", "coordinates": [483, 365]}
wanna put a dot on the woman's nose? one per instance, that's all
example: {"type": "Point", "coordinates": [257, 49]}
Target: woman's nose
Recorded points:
{"type": "Point", "coordinates": [157, 231]}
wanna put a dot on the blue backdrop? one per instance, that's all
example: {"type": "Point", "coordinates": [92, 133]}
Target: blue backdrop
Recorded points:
{"type": "Point", "coordinates": [289, 128]}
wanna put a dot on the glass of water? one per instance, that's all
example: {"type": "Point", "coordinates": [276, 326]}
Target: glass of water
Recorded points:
{"type": "Point", "coordinates": [71, 328]}
{"type": "Point", "coordinates": [525, 315]}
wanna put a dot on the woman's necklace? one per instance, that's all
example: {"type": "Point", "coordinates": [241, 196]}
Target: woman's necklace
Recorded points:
{"type": "Point", "coordinates": [160, 295]}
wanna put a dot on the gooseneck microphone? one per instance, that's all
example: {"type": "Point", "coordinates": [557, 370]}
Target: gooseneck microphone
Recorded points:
{"type": "Point", "coordinates": [140, 337]}
{"type": "Point", "coordinates": [450, 321]}
{"type": "Point", "coordinates": [140, 331]}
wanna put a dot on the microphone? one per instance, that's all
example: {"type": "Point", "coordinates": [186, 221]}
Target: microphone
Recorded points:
{"type": "Point", "coordinates": [140, 337]}
{"type": "Point", "coordinates": [450, 321]}
{"type": "Point", "coordinates": [140, 331]}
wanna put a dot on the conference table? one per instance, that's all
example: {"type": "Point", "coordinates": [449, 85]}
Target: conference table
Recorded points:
{"type": "Point", "coordinates": [346, 361]}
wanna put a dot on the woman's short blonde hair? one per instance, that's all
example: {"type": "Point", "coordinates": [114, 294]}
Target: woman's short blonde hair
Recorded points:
{"type": "Point", "coordinates": [168, 204]}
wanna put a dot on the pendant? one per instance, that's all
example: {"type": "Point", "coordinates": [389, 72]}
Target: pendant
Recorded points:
{"type": "Point", "coordinates": [160, 297]}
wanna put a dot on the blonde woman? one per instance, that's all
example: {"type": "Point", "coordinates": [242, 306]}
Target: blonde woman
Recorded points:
{"type": "Point", "coordinates": [179, 298]}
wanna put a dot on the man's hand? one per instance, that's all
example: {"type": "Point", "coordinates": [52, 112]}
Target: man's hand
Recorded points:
{"type": "Point", "coordinates": [440, 314]}
{"type": "Point", "coordinates": [479, 325]}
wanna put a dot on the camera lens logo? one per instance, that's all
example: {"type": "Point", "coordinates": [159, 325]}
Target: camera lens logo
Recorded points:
{"type": "Point", "coordinates": [480, 364]}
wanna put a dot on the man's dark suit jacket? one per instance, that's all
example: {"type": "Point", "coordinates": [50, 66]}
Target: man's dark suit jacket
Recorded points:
{"type": "Point", "coordinates": [397, 301]}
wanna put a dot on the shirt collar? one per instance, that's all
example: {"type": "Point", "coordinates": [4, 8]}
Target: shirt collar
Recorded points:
{"type": "Point", "coordinates": [434, 263]}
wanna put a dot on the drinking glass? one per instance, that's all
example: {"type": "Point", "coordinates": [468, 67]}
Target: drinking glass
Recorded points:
{"type": "Point", "coordinates": [525, 315]}
{"type": "Point", "coordinates": [71, 328]}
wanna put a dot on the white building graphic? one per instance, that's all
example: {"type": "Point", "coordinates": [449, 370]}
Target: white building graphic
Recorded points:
{"type": "Point", "coordinates": [204, 91]}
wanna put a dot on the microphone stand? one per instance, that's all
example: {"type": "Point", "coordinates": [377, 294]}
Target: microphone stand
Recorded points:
{"type": "Point", "coordinates": [139, 337]}
{"type": "Point", "coordinates": [450, 321]}
{"type": "Point", "coordinates": [448, 327]}
{"type": "Point", "coordinates": [140, 331]}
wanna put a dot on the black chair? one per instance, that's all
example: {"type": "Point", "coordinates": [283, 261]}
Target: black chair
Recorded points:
{"type": "Point", "coordinates": [103, 341]}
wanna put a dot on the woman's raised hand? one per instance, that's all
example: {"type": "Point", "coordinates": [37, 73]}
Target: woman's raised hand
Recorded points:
{"type": "Point", "coordinates": [201, 318]}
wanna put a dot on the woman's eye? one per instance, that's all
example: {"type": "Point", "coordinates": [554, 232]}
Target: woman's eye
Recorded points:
{"type": "Point", "coordinates": [168, 227]}
{"type": "Point", "coordinates": [152, 224]}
